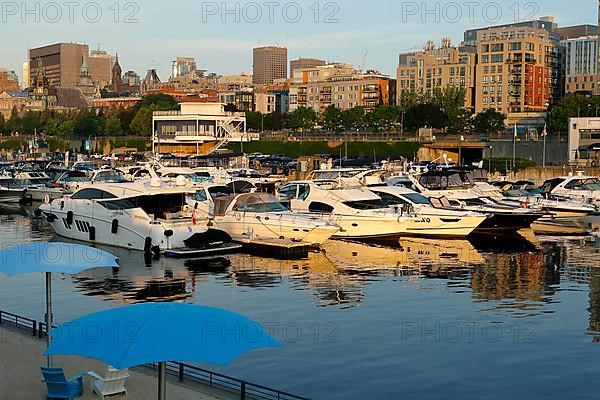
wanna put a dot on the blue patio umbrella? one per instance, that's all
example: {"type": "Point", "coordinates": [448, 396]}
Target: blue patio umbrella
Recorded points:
{"type": "Point", "coordinates": [48, 258]}
{"type": "Point", "coordinates": [159, 332]}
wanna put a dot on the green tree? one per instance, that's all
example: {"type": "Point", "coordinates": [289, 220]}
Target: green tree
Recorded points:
{"type": "Point", "coordinates": [87, 124]}
{"type": "Point", "coordinates": [254, 120]}
{"type": "Point", "coordinates": [571, 106]}
{"type": "Point", "coordinates": [331, 119]}
{"type": "Point", "coordinates": [161, 102]}
{"type": "Point", "coordinates": [451, 100]}
{"type": "Point", "coordinates": [66, 128]}
{"type": "Point", "coordinates": [489, 121]}
{"type": "Point", "coordinates": [142, 122]}
{"type": "Point", "coordinates": [3, 125]}
{"type": "Point", "coordinates": [302, 118]}
{"type": "Point", "coordinates": [112, 127]}
{"type": "Point", "coordinates": [353, 119]}
{"type": "Point", "coordinates": [31, 122]}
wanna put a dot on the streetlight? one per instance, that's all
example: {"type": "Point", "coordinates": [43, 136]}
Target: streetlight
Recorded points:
{"type": "Point", "coordinates": [490, 160]}
{"type": "Point", "coordinates": [460, 161]}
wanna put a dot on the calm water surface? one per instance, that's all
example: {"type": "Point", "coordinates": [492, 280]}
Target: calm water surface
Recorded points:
{"type": "Point", "coordinates": [517, 318]}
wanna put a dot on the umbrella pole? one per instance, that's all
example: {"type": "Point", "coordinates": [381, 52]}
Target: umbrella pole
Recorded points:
{"type": "Point", "coordinates": [48, 312]}
{"type": "Point", "coordinates": [162, 381]}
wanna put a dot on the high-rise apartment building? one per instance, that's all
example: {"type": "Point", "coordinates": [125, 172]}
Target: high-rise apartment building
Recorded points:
{"type": "Point", "coordinates": [518, 69]}
{"type": "Point", "coordinates": [303, 63]}
{"type": "Point", "coordinates": [581, 64]}
{"type": "Point", "coordinates": [438, 68]}
{"type": "Point", "coordinates": [269, 64]}
{"type": "Point", "coordinates": [342, 86]}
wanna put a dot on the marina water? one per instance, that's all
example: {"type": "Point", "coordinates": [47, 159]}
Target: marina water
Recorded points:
{"type": "Point", "coordinates": [517, 317]}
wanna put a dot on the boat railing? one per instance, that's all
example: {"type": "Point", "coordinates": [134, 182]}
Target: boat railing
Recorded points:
{"type": "Point", "coordinates": [183, 372]}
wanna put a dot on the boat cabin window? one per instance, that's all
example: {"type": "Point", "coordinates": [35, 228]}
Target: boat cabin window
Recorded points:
{"type": "Point", "coordinates": [317, 207]}
{"type": "Point", "coordinates": [92, 194]}
{"type": "Point", "coordinates": [366, 204]}
{"type": "Point", "coordinates": [219, 191]}
{"type": "Point", "coordinates": [109, 176]}
{"type": "Point", "coordinates": [262, 207]}
{"type": "Point", "coordinates": [157, 205]}
{"type": "Point", "coordinates": [390, 199]}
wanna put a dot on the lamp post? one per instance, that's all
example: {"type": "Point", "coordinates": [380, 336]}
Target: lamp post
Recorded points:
{"type": "Point", "coordinates": [462, 139]}
{"type": "Point", "coordinates": [490, 160]}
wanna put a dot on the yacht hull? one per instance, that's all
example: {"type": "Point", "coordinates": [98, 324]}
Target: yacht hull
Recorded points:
{"type": "Point", "coordinates": [9, 196]}
{"type": "Point", "coordinates": [507, 222]}
{"type": "Point", "coordinates": [131, 233]}
{"type": "Point", "coordinates": [444, 226]}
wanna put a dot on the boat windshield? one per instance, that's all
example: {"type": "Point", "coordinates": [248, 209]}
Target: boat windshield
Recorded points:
{"type": "Point", "coordinates": [157, 206]}
{"type": "Point", "coordinates": [584, 184]}
{"type": "Point", "coordinates": [259, 202]}
{"type": "Point", "coordinates": [443, 181]}
{"type": "Point", "coordinates": [109, 176]}
{"type": "Point", "coordinates": [417, 198]}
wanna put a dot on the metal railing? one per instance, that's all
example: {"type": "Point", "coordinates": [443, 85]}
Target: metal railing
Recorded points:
{"type": "Point", "coordinates": [183, 372]}
{"type": "Point", "coordinates": [19, 322]}
{"type": "Point", "coordinates": [246, 390]}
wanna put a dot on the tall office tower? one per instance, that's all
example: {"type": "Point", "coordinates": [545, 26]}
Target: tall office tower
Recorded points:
{"type": "Point", "coordinates": [269, 64]}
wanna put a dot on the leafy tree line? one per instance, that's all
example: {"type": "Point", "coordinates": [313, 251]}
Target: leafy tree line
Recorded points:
{"type": "Point", "coordinates": [570, 106]}
{"type": "Point", "coordinates": [442, 110]}
{"type": "Point", "coordinates": [136, 120]}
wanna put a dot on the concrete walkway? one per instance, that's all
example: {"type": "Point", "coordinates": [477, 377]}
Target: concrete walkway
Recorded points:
{"type": "Point", "coordinates": [20, 376]}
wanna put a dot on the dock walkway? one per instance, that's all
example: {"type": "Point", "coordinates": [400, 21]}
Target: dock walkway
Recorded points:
{"type": "Point", "coordinates": [21, 356]}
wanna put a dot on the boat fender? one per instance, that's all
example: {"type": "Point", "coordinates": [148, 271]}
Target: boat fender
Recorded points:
{"type": "Point", "coordinates": [37, 213]}
{"type": "Point", "coordinates": [62, 204]}
{"type": "Point", "coordinates": [51, 218]}
{"type": "Point", "coordinates": [169, 233]}
{"type": "Point", "coordinates": [70, 218]}
{"type": "Point", "coordinates": [148, 245]}
{"type": "Point", "coordinates": [47, 199]}
{"type": "Point", "coordinates": [92, 233]}
{"type": "Point", "coordinates": [115, 226]}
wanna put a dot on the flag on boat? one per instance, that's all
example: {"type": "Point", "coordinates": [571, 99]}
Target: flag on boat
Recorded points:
{"type": "Point", "coordinates": [545, 131]}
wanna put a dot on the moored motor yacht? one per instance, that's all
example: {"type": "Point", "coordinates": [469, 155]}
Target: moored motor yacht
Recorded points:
{"type": "Point", "coordinates": [430, 221]}
{"type": "Point", "coordinates": [10, 191]}
{"type": "Point", "coordinates": [258, 217]}
{"type": "Point", "coordinates": [454, 189]}
{"type": "Point", "coordinates": [136, 215]}
{"type": "Point", "coordinates": [39, 186]}
{"type": "Point", "coordinates": [576, 187]}
{"type": "Point", "coordinates": [76, 179]}
{"type": "Point", "coordinates": [360, 213]}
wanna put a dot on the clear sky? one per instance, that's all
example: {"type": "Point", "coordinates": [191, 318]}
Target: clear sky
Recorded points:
{"type": "Point", "coordinates": [221, 35]}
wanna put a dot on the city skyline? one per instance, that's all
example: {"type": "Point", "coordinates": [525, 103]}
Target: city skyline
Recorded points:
{"type": "Point", "coordinates": [226, 48]}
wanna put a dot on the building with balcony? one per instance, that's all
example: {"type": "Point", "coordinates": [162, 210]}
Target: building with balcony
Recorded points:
{"type": "Point", "coordinates": [438, 68]}
{"type": "Point", "coordinates": [303, 63]}
{"type": "Point", "coordinates": [519, 72]}
{"type": "Point", "coordinates": [198, 129]}
{"type": "Point", "coordinates": [342, 86]}
{"type": "Point", "coordinates": [581, 55]}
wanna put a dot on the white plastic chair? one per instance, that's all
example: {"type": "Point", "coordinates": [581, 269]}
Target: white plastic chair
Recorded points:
{"type": "Point", "coordinates": [113, 382]}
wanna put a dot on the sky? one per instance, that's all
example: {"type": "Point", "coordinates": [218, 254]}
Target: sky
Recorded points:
{"type": "Point", "coordinates": [221, 34]}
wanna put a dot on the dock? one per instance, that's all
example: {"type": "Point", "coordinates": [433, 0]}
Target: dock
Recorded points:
{"type": "Point", "coordinates": [22, 356]}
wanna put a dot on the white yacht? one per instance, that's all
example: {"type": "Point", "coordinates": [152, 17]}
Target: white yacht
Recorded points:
{"type": "Point", "coordinates": [431, 221]}
{"type": "Point", "coordinates": [577, 187]}
{"type": "Point", "coordinates": [350, 177]}
{"type": "Point", "coordinates": [258, 217]}
{"type": "Point", "coordinates": [10, 190]}
{"type": "Point", "coordinates": [360, 213]}
{"type": "Point", "coordinates": [137, 215]}
{"type": "Point", "coordinates": [75, 179]}
{"type": "Point", "coordinates": [455, 189]}
{"type": "Point", "coordinates": [39, 186]}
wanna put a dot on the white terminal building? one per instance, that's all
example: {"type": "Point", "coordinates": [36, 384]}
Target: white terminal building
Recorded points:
{"type": "Point", "coordinates": [584, 141]}
{"type": "Point", "coordinates": [198, 129]}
